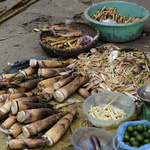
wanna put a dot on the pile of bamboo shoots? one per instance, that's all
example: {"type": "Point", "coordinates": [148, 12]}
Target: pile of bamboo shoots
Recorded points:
{"type": "Point", "coordinates": [113, 70]}
{"type": "Point", "coordinates": [24, 102]}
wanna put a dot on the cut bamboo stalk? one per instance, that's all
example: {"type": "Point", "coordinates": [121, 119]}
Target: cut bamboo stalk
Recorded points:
{"type": "Point", "coordinates": [51, 72]}
{"type": "Point", "coordinates": [25, 143]}
{"type": "Point", "coordinates": [49, 63]}
{"type": "Point", "coordinates": [49, 82]}
{"type": "Point", "coordinates": [57, 85]}
{"type": "Point", "coordinates": [38, 126]}
{"type": "Point", "coordinates": [48, 93]}
{"type": "Point", "coordinates": [17, 106]}
{"type": "Point", "coordinates": [31, 115]}
{"type": "Point", "coordinates": [13, 6]}
{"type": "Point", "coordinates": [15, 129]}
{"type": "Point", "coordinates": [9, 122]}
{"type": "Point", "coordinates": [17, 11]}
{"type": "Point", "coordinates": [62, 93]}
{"type": "Point", "coordinates": [8, 97]}
{"type": "Point", "coordinates": [56, 132]}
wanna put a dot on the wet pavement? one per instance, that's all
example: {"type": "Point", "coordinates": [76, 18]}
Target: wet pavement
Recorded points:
{"type": "Point", "coordinates": [19, 39]}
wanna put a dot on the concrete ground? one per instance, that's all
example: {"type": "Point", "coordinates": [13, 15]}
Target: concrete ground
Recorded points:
{"type": "Point", "coordinates": [18, 40]}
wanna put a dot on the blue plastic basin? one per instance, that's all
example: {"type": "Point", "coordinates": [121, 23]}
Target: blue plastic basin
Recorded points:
{"type": "Point", "coordinates": [119, 32]}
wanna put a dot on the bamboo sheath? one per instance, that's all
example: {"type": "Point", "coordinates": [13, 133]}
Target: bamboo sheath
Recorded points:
{"type": "Point", "coordinates": [31, 115]}
{"type": "Point", "coordinates": [56, 132]}
{"type": "Point", "coordinates": [38, 126]}
{"type": "Point", "coordinates": [25, 143]}
{"type": "Point", "coordinates": [62, 93]}
{"type": "Point", "coordinates": [48, 63]}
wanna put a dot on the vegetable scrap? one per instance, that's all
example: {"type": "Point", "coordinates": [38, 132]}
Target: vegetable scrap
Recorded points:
{"type": "Point", "coordinates": [64, 36]}
{"type": "Point", "coordinates": [110, 15]}
{"type": "Point", "coordinates": [113, 70]}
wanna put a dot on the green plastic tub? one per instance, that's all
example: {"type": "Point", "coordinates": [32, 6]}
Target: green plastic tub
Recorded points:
{"type": "Point", "coordinates": [118, 33]}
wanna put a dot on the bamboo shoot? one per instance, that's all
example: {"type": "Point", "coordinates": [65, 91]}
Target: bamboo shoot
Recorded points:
{"type": "Point", "coordinates": [62, 93]}
{"type": "Point", "coordinates": [25, 143]}
{"type": "Point", "coordinates": [37, 126]}
{"type": "Point", "coordinates": [56, 132]}
{"type": "Point", "coordinates": [49, 63]}
{"type": "Point", "coordinates": [31, 115]}
{"type": "Point", "coordinates": [51, 72]}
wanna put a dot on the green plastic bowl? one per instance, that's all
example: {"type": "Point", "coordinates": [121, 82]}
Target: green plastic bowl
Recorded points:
{"type": "Point", "coordinates": [119, 33]}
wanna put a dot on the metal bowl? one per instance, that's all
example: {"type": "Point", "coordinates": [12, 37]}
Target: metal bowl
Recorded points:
{"type": "Point", "coordinates": [86, 28]}
{"type": "Point", "coordinates": [144, 94]}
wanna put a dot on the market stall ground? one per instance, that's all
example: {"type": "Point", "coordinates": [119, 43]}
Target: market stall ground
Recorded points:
{"type": "Point", "coordinates": [19, 40]}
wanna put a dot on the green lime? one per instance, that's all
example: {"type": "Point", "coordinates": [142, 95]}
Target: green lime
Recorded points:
{"type": "Point", "coordinates": [148, 130]}
{"type": "Point", "coordinates": [146, 135]}
{"type": "Point", "coordinates": [145, 128]}
{"type": "Point", "coordinates": [146, 141]}
{"type": "Point", "coordinates": [132, 139]}
{"type": "Point", "coordinates": [135, 133]}
{"type": "Point", "coordinates": [135, 143]}
{"type": "Point", "coordinates": [135, 146]}
{"type": "Point", "coordinates": [139, 138]}
{"type": "Point", "coordinates": [130, 129]}
{"type": "Point", "coordinates": [128, 143]}
{"type": "Point", "coordinates": [140, 128]}
{"type": "Point", "coordinates": [126, 138]}
{"type": "Point", "coordinates": [148, 127]}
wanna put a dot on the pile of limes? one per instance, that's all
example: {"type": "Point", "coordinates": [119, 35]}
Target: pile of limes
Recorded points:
{"type": "Point", "coordinates": [137, 136]}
